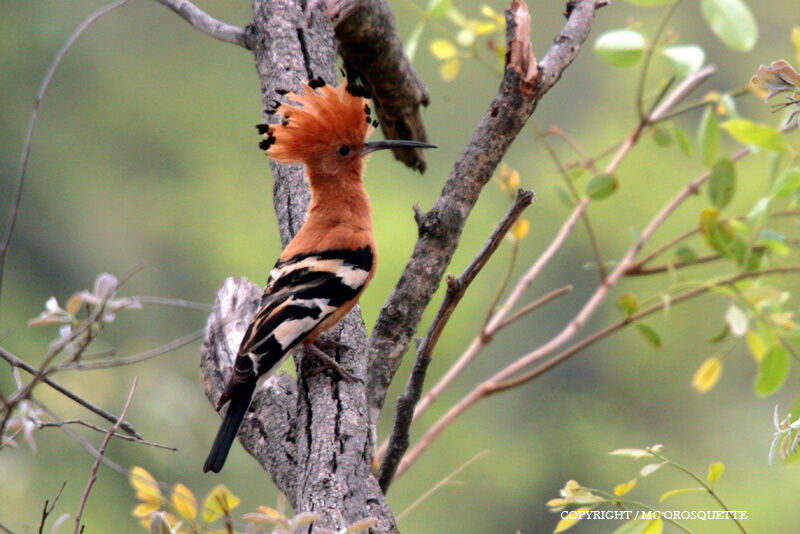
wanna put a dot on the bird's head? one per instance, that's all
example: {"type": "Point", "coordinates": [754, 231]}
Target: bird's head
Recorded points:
{"type": "Point", "coordinates": [325, 128]}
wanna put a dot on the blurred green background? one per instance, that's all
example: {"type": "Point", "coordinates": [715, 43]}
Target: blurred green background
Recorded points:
{"type": "Point", "coordinates": [145, 153]}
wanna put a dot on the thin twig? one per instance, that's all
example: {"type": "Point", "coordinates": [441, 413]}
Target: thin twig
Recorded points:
{"type": "Point", "coordinates": [208, 24]}
{"type": "Point", "coordinates": [59, 424]}
{"type": "Point", "coordinates": [446, 480]}
{"type": "Point", "coordinates": [649, 56]}
{"type": "Point", "coordinates": [47, 511]}
{"type": "Point", "coordinates": [16, 362]}
{"type": "Point", "coordinates": [456, 288]}
{"type": "Point", "coordinates": [602, 271]}
{"type": "Point", "coordinates": [106, 363]}
{"type": "Point", "coordinates": [101, 451]}
{"type": "Point", "coordinates": [26, 151]}
{"type": "Point", "coordinates": [177, 303]}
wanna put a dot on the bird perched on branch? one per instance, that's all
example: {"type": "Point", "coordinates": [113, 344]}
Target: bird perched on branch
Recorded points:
{"type": "Point", "coordinates": [325, 268]}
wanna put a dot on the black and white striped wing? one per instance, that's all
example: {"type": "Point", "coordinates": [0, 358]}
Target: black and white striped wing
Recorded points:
{"type": "Point", "coordinates": [301, 293]}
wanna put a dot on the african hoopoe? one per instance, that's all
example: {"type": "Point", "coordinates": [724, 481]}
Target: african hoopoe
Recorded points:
{"type": "Point", "coordinates": [325, 268]}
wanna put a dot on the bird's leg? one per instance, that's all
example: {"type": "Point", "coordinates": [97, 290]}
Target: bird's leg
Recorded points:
{"type": "Point", "coordinates": [331, 363]}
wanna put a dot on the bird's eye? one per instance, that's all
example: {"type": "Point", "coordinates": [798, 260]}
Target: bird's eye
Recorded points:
{"type": "Point", "coordinates": [344, 150]}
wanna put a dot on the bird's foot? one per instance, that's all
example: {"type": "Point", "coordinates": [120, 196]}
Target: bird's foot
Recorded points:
{"type": "Point", "coordinates": [314, 349]}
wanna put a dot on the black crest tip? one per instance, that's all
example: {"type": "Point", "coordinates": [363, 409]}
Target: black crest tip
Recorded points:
{"type": "Point", "coordinates": [262, 128]}
{"type": "Point", "coordinates": [281, 91]}
{"type": "Point", "coordinates": [317, 82]}
{"type": "Point", "coordinates": [264, 144]}
{"type": "Point", "coordinates": [375, 123]}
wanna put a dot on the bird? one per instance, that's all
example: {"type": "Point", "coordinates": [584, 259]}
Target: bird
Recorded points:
{"type": "Point", "coordinates": [323, 271]}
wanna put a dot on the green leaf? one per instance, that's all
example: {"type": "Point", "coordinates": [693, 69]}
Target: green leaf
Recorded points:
{"type": "Point", "coordinates": [684, 59]}
{"type": "Point", "coordinates": [732, 21]}
{"type": "Point", "coordinates": [787, 183]}
{"type": "Point", "coordinates": [673, 493]}
{"type": "Point", "coordinates": [628, 304]}
{"type": "Point", "coordinates": [715, 471]}
{"type": "Point", "coordinates": [723, 183]}
{"type": "Point", "coordinates": [621, 48]}
{"type": "Point", "coordinates": [708, 136]}
{"type": "Point", "coordinates": [721, 335]}
{"type": "Point", "coordinates": [686, 254]}
{"type": "Point", "coordinates": [748, 132]}
{"type": "Point", "coordinates": [772, 371]}
{"type": "Point", "coordinates": [650, 335]}
{"type": "Point", "coordinates": [564, 196]}
{"type": "Point", "coordinates": [601, 186]}
{"type": "Point", "coordinates": [661, 135]}
{"type": "Point", "coordinates": [682, 139]}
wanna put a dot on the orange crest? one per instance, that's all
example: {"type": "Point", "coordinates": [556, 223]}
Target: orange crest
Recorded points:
{"type": "Point", "coordinates": [319, 121]}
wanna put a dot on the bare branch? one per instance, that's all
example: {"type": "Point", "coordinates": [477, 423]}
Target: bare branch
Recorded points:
{"type": "Point", "coordinates": [208, 24]}
{"type": "Point", "coordinates": [575, 325]}
{"type": "Point", "coordinates": [47, 511]}
{"type": "Point", "coordinates": [600, 334]}
{"type": "Point", "coordinates": [26, 151]}
{"type": "Point", "coordinates": [16, 362]}
{"type": "Point", "coordinates": [456, 288]}
{"type": "Point", "coordinates": [101, 451]}
{"type": "Point", "coordinates": [371, 47]}
{"type": "Point", "coordinates": [106, 363]}
{"type": "Point", "coordinates": [81, 422]}
{"type": "Point", "coordinates": [441, 227]}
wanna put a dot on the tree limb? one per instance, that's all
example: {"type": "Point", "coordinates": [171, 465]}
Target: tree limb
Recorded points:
{"type": "Point", "coordinates": [456, 288]}
{"type": "Point", "coordinates": [440, 229]}
{"type": "Point", "coordinates": [208, 24]}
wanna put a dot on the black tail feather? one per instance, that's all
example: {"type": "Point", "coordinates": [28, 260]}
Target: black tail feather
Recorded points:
{"type": "Point", "coordinates": [240, 401]}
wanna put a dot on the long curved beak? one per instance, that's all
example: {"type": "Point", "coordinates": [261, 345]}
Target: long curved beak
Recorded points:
{"type": "Point", "coordinates": [372, 146]}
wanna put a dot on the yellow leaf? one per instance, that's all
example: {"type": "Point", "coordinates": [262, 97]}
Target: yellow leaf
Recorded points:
{"type": "Point", "coordinates": [485, 28]}
{"type": "Point", "coordinates": [715, 471]}
{"type": "Point", "coordinates": [443, 49]}
{"type": "Point", "coordinates": [218, 503]}
{"type": "Point", "coordinates": [707, 375]}
{"type": "Point", "coordinates": [145, 485]}
{"type": "Point", "coordinates": [521, 229]}
{"type": "Point", "coordinates": [571, 518]}
{"type": "Point", "coordinates": [513, 179]}
{"type": "Point", "coordinates": [656, 526]}
{"type": "Point", "coordinates": [184, 501]}
{"type": "Point", "coordinates": [270, 512]}
{"type": "Point", "coordinates": [796, 41]}
{"type": "Point", "coordinates": [146, 508]}
{"type": "Point", "coordinates": [449, 69]}
{"type": "Point", "coordinates": [756, 345]}
{"type": "Point", "coordinates": [624, 488]}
